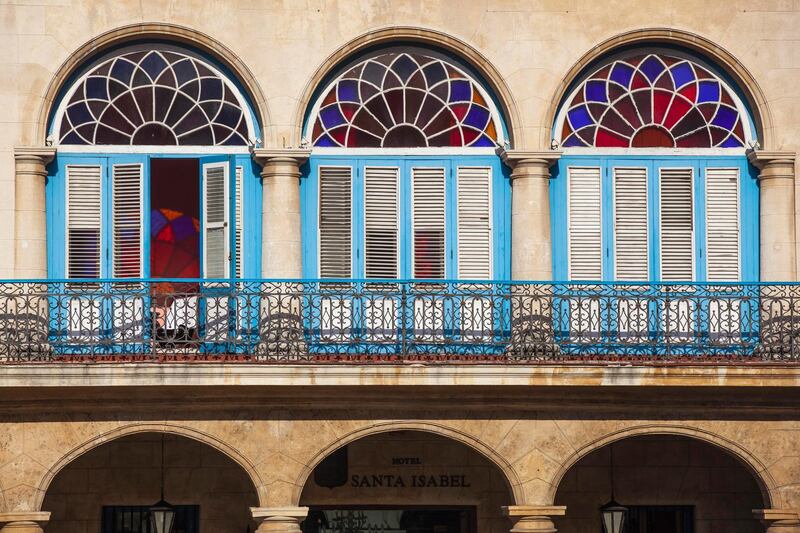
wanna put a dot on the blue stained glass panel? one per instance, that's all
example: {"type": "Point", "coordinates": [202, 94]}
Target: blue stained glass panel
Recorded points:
{"type": "Point", "coordinates": [210, 89]}
{"type": "Point", "coordinates": [731, 142]}
{"type": "Point", "coordinates": [347, 91]}
{"type": "Point", "coordinates": [460, 91]}
{"type": "Point", "coordinates": [725, 117]}
{"type": "Point", "coordinates": [97, 88]}
{"type": "Point", "coordinates": [484, 141]}
{"type": "Point", "coordinates": [79, 114]}
{"type": "Point", "coordinates": [122, 71]}
{"type": "Point", "coordinates": [154, 65]}
{"type": "Point", "coordinates": [324, 140]}
{"type": "Point", "coordinates": [477, 117]}
{"type": "Point", "coordinates": [709, 91]}
{"type": "Point", "coordinates": [622, 74]}
{"type": "Point", "coordinates": [404, 67]}
{"type": "Point", "coordinates": [579, 117]}
{"type": "Point", "coordinates": [596, 91]}
{"type": "Point", "coordinates": [573, 141]}
{"type": "Point", "coordinates": [652, 67]}
{"type": "Point", "coordinates": [682, 73]}
{"type": "Point", "coordinates": [331, 117]}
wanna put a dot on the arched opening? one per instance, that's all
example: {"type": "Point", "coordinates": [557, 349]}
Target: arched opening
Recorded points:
{"type": "Point", "coordinates": [668, 482]}
{"type": "Point", "coordinates": [411, 480]}
{"type": "Point", "coordinates": [110, 487]}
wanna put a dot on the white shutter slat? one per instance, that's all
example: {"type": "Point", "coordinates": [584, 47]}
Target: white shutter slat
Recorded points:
{"type": "Point", "coordinates": [381, 227]}
{"type": "Point", "coordinates": [630, 224]}
{"type": "Point", "coordinates": [127, 220]}
{"type": "Point", "coordinates": [585, 241]}
{"type": "Point", "coordinates": [677, 225]}
{"type": "Point", "coordinates": [474, 223]}
{"type": "Point", "coordinates": [239, 215]}
{"type": "Point", "coordinates": [722, 224]}
{"type": "Point", "coordinates": [215, 213]}
{"type": "Point", "coordinates": [335, 222]}
{"type": "Point", "coordinates": [84, 213]}
{"type": "Point", "coordinates": [428, 184]}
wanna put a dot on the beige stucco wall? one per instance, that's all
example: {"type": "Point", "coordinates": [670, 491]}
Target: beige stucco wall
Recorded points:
{"type": "Point", "coordinates": [530, 45]}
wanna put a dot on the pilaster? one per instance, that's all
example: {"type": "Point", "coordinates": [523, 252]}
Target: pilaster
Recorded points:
{"type": "Point", "coordinates": [779, 520]}
{"type": "Point", "coordinates": [777, 214]}
{"type": "Point", "coordinates": [532, 246]}
{"type": "Point", "coordinates": [281, 255]}
{"type": "Point", "coordinates": [530, 518]}
{"type": "Point", "coordinates": [279, 519]}
{"type": "Point", "coordinates": [30, 220]}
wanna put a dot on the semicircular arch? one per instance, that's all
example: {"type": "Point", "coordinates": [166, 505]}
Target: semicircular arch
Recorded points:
{"type": "Point", "coordinates": [754, 466]}
{"type": "Point", "coordinates": [741, 77]}
{"type": "Point", "coordinates": [424, 38]}
{"type": "Point", "coordinates": [133, 429]}
{"type": "Point", "coordinates": [162, 32]}
{"type": "Point", "coordinates": [426, 427]}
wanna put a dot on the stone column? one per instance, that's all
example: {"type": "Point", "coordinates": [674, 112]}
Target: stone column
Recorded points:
{"type": "Point", "coordinates": [23, 521]}
{"type": "Point", "coordinates": [528, 518]}
{"type": "Point", "coordinates": [531, 244]}
{"type": "Point", "coordinates": [778, 305]}
{"type": "Point", "coordinates": [777, 218]}
{"type": "Point", "coordinates": [281, 252]}
{"type": "Point", "coordinates": [30, 222]}
{"type": "Point", "coordinates": [281, 326]}
{"type": "Point", "coordinates": [779, 520]}
{"type": "Point", "coordinates": [279, 519]}
{"type": "Point", "coordinates": [531, 254]}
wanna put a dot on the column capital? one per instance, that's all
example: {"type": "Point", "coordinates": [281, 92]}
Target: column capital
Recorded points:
{"type": "Point", "coordinates": [37, 517]}
{"type": "Point", "coordinates": [761, 159]}
{"type": "Point", "coordinates": [297, 156]}
{"type": "Point", "coordinates": [778, 519]}
{"type": "Point", "coordinates": [38, 156]}
{"type": "Point", "coordinates": [533, 518]}
{"type": "Point", "coordinates": [514, 158]}
{"type": "Point", "coordinates": [279, 519]}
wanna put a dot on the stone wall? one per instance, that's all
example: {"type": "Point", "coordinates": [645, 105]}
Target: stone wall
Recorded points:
{"type": "Point", "coordinates": [126, 471]}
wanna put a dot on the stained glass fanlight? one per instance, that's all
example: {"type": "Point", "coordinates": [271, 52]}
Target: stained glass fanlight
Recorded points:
{"type": "Point", "coordinates": [654, 100]}
{"type": "Point", "coordinates": [158, 96]}
{"type": "Point", "coordinates": [404, 99]}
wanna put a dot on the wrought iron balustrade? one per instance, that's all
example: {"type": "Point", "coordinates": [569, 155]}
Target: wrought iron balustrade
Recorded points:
{"type": "Point", "coordinates": [331, 320]}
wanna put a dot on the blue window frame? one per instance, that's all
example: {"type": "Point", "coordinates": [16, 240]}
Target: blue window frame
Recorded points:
{"type": "Point", "coordinates": [656, 169]}
{"type": "Point", "coordinates": [357, 168]}
{"type": "Point", "coordinates": [244, 209]}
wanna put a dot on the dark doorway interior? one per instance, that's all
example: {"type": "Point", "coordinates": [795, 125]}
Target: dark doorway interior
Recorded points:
{"type": "Point", "coordinates": [174, 218]}
{"type": "Point", "coordinates": [365, 519]}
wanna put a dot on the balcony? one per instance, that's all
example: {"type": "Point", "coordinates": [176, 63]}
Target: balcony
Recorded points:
{"type": "Point", "coordinates": [390, 320]}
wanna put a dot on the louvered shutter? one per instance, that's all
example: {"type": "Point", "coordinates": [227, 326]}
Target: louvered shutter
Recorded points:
{"type": "Point", "coordinates": [585, 243]}
{"type": "Point", "coordinates": [722, 224]}
{"type": "Point", "coordinates": [428, 222]}
{"type": "Point", "coordinates": [474, 223]}
{"type": "Point", "coordinates": [84, 213]}
{"type": "Point", "coordinates": [335, 222]}
{"type": "Point", "coordinates": [239, 215]}
{"type": "Point", "coordinates": [215, 214]}
{"type": "Point", "coordinates": [677, 225]}
{"type": "Point", "coordinates": [630, 224]}
{"type": "Point", "coordinates": [380, 222]}
{"type": "Point", "coordinates": [127, 214]}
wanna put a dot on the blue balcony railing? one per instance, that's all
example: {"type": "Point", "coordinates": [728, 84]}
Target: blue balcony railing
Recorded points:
{"type": "Point", "coordinates": [369, 320]}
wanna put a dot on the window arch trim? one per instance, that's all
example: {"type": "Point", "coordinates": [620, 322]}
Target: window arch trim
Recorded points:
{"type": "Point", "coordinates": [229, 79]}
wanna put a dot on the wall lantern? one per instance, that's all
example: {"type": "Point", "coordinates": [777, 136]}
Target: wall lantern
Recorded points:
{"type": "Point", "coordinates": [615, 516]}
{"type": "Point", "coordinates": [162, 514]}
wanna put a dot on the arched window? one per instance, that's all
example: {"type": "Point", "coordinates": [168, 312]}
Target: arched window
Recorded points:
{"type": "Point", "coordinates": [403, 180]}
{"type": "Point", "coordinates": [654, 184]}
{"type": "Point", "coordinates": [152, 177]}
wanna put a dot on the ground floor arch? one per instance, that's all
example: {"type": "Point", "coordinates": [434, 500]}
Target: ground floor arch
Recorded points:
{"type": "Point", "coordinates": [406, 479]}
{"type": "Point", "coordinates": [669, 483]}
{"type": "Point", "coordinates": [110, 487]}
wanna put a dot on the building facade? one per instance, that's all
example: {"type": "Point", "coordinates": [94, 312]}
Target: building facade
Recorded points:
{"type": "Point", "coordinates": [402, 266]}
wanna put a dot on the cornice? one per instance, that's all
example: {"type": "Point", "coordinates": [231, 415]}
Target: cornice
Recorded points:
{"type": "Point", "coordinates": [512, 158]}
